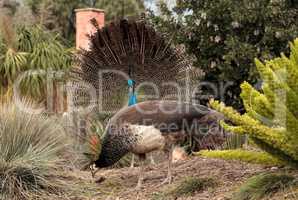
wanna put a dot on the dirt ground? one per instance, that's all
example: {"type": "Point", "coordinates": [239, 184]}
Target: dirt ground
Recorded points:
{"type": "Point", "coordinates": [119, 184]}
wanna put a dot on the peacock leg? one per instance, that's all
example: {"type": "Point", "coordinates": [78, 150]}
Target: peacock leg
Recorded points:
{"type": "Point", "coordinates": [152, 159]}
{"type": "Point", "coordinates": [170, 157]}
{"type": "Point", "coordinates": [132, 164]}
{"type": "Point", "coordinates": [142, 158]}
{"type": "Point", "coordinates": [93, 170]}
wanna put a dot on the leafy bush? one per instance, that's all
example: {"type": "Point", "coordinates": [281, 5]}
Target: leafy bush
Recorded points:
{"type": "Point", "coordinates": [271, 118]}
{"type": "Point", "coordinates": [29, 147]}
{"type": "Point", "coordinates": [263, 185]}
{"type": "Point", "coordinates": [60, 15]}
{"type": "Point", "coordinates": [226, 35]}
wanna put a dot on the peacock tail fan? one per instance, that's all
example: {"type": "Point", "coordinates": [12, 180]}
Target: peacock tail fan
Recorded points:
{"type": "Point", "coordinates": [135, 48]}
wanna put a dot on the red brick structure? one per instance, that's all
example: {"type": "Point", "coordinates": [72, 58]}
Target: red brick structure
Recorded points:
{"type": "Point", "coordinates": [84, 27]}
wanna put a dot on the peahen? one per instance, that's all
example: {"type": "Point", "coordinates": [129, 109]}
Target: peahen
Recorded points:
{"type": "Point", "coordinates": [149, 126]}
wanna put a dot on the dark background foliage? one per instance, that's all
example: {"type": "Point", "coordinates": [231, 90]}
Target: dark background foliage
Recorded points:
{"type": "Point", "coordinates": [60, 15]}
{"type": "Point", "coordinates": [226, 35]}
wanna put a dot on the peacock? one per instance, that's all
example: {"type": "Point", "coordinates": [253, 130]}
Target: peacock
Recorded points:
{"type": "Point", "coordinates": [150, 126]}
{"type": "Point", "coordinates": [132, 50]}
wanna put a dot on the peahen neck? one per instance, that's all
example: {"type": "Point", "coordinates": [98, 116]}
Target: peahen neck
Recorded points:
{"type": "Point", "coordinates": [114, 147]}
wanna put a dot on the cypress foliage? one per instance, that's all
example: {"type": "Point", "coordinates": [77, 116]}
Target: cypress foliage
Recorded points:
{"type": "Point", "coordinates": [271, 117]}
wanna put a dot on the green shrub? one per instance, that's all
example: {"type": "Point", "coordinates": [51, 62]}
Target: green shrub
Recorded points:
{"type": "Point", "coordinates": [29, 147]}
{"type": "Point", "coordinates": [271, 118]}
{"type": "Point", "coordinates": [226, 35]}
{"type": "Point", "coordinates": [263, 185]}
{"type": "Point", "coordinates": [245, 156]}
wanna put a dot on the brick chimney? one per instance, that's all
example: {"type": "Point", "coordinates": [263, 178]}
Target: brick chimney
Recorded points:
{"type": "Point", "coordinates": [84, 27]}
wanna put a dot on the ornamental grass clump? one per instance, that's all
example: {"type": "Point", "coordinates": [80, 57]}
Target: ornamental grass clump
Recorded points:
{"type": "Point", "coordinates": [264, 185]}
{"type": "Point", "coordinates": [191, 185]}
{"type": "Point", "coordinates": [29, 161]}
